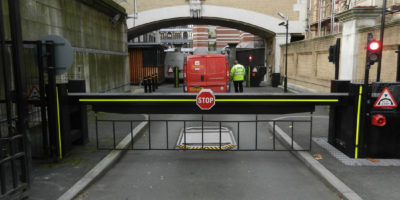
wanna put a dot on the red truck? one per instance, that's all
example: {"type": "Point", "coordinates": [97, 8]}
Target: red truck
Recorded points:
{"type": "Point", "coordinates": [206, 71]}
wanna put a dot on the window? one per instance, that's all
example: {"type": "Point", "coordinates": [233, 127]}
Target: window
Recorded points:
{"type": "Point", "coordinates": [212, 46]}
{"type": "Point", "coordinates": [211, 32]}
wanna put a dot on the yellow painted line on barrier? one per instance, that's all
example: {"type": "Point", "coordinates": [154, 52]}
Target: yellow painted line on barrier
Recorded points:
{"type": "Point", "coordinates": [358, 122]}
{"type": "Point", "coordinates": [137, 100]}
{"type": "Point", "coordinates": [58, 123]}
{"type": "Point", "coordinates": [277, 100]}
{"type": "Point", "coordinates": [218, 100]}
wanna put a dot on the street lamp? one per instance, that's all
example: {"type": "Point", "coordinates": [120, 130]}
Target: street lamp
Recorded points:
{"type": "Point", "coordinates": [286, 24]}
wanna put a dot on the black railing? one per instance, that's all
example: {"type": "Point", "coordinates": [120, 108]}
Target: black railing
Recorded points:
{"type": "Point", "coordinates": [201, 134]}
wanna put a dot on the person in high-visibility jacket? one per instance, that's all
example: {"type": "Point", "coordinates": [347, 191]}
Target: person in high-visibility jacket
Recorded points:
{"type": "Point", "coordinates": [237, 75]}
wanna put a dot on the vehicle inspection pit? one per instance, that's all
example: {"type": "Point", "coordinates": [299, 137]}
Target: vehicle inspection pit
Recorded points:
{"type": "Point", "coordinates": [206, 138]}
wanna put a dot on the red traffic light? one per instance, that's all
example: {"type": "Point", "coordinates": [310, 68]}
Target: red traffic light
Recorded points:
{"type": "Point", "coordinates": [374, 46]}
{"type": "Point", "coordinates": [250, 58]}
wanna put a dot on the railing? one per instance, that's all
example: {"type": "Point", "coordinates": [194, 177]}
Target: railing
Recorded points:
{"type": "Point", "coordinates": [206, 134]}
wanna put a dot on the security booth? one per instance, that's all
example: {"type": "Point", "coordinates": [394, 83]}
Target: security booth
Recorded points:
{"type": "Point", "coordinates": [377, 136]}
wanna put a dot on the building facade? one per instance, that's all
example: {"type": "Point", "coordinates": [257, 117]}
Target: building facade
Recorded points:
{"type": "Point", "coordinates": [215, 39]}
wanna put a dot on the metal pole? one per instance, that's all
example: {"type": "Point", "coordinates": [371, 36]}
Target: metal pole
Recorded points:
{"type": "Point", "coordinates": [6, 73]}
{"type": "Point", "coordinates": [337, 58]}
{"type": "Point", "coordinates": [378, 73]}
{"type": "Point", "coordinates": [398, 64]}
{"type": "Point", "coordinates": [286, 55]}
{"type": "Point", "coordinates": [364, 96]}
{"type": "Point", "coordinates": [45, 136]}
{"type": "Point", "coordinates": [248, 77]}
{"type": "Point", "coordinates": [51, 99]}
{"type": "Point", "coordinates": [20, 84]}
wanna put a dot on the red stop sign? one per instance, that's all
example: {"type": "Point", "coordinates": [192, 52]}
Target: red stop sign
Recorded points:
{"type": "Point", "coordinates": [205, 99]}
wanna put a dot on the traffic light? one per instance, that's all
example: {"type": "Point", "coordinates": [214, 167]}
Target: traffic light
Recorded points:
{"type": "Point", "coordinates": [250, 58]}
{"type": "Point", "coordinates": [373, 51]}
{"type": "Point", "coordinates": [332, 53]}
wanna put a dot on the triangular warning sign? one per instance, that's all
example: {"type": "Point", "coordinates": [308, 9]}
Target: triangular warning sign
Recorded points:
{"type": "Point", "coordinates": [34, 94]}
{"type": "Point", "coordinates": [255, 70]}
{"type": "Point", "coordinates": [170, 70]}
{"type": "Point", "coordinates": [385, 100]}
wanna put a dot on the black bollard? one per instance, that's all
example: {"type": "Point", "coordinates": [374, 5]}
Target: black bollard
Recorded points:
{"type": "Point", "coordinates": [176, 77]}
{"type": "Point", "coordinates": [149, 83]}
{"type": "Point", "coordinates": [156, 81]}
{"type": "Point", "coordinates": [145, 84]}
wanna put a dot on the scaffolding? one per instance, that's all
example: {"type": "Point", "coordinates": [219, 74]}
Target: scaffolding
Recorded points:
{"type": "Point", "coordinates": [321, 14]}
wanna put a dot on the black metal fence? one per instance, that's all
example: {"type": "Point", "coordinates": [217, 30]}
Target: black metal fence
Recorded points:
{"type": "Point", "coordinates": [205, 134]}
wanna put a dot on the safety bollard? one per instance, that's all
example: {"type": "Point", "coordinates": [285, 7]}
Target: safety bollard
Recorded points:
{"type": "Point", "coordinates": [156, 81]}
{"type": "Point", "coordinates": [153, 82]}
{"type": "Point", "coordinates": [149, 83]}
{"type": "Point", "coordinates": [248, 77]}
{"type": "Point", "coordinates": [176, 77]}
{"type": "Point", "coordinates": [145, 84]}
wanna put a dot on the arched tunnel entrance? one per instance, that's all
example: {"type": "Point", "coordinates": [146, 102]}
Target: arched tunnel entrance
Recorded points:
{"type": "Point", "coordinates": [263, 25]}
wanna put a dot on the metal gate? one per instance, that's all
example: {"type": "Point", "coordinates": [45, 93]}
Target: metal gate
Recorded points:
{"type": "Point", "coordinates": [205, 130]}
{"type": "Point", "coordinates": [14, 153]}
{"type": "Point", "coordinates": [255, 134]}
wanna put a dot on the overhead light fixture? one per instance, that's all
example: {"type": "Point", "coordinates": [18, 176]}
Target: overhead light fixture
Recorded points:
{"type": "Point", "coordinates": [282, 15]}
{"type": "Point", "coordinates": [116, 18]}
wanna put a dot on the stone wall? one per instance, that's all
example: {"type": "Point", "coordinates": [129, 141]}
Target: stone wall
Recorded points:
{"type": "Point", "coordinates": [101, 53]}
{"type": "Point", "coordinates": [308, 64]}
{"type": "Point", "coordinates": [262, 6]}
{"type": "Point", "coordinates": [389, 60]}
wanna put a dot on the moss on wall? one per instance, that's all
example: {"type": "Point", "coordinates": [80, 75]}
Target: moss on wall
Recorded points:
{"type": "Point", "coordinates": [105, 63]}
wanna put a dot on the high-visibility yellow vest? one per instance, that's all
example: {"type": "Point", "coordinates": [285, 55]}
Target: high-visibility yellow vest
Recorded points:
{"type": "Point", "coordinates": [238, 72]}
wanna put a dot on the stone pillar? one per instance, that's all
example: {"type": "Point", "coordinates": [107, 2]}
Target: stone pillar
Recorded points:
{"type": "Point", "coordinates": [232, 53]}
{"type": "Point", "coordinates": [353, 20]}
{"type": "Point", "coordinates": [280, 39]}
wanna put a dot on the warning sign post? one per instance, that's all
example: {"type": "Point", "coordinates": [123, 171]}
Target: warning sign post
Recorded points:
{"type": "Point", "coordinates": [385, 100]}
{"type": "Point", "coordinates": [205, 100]}
{"type": "Point", "coordinates": [34, 94]}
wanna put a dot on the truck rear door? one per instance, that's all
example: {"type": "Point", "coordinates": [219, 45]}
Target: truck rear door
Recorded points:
{"type": "Point", "coordinates": [196, 69]}
{"type": "Point", "coordinates": [216, 77]}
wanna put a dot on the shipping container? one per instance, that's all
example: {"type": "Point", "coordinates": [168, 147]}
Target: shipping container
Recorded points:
{"type": "Point", "coordinates": [145, 60]}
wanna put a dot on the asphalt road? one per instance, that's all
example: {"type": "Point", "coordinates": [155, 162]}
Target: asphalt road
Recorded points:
{"type": "Point", "coordinates": [182, 174]}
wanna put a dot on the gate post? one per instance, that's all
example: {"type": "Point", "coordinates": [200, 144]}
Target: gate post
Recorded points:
{"type": "Point", "coordinates": [20, 86]}
{"type": "Point", "coordinates": [56, 149]}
